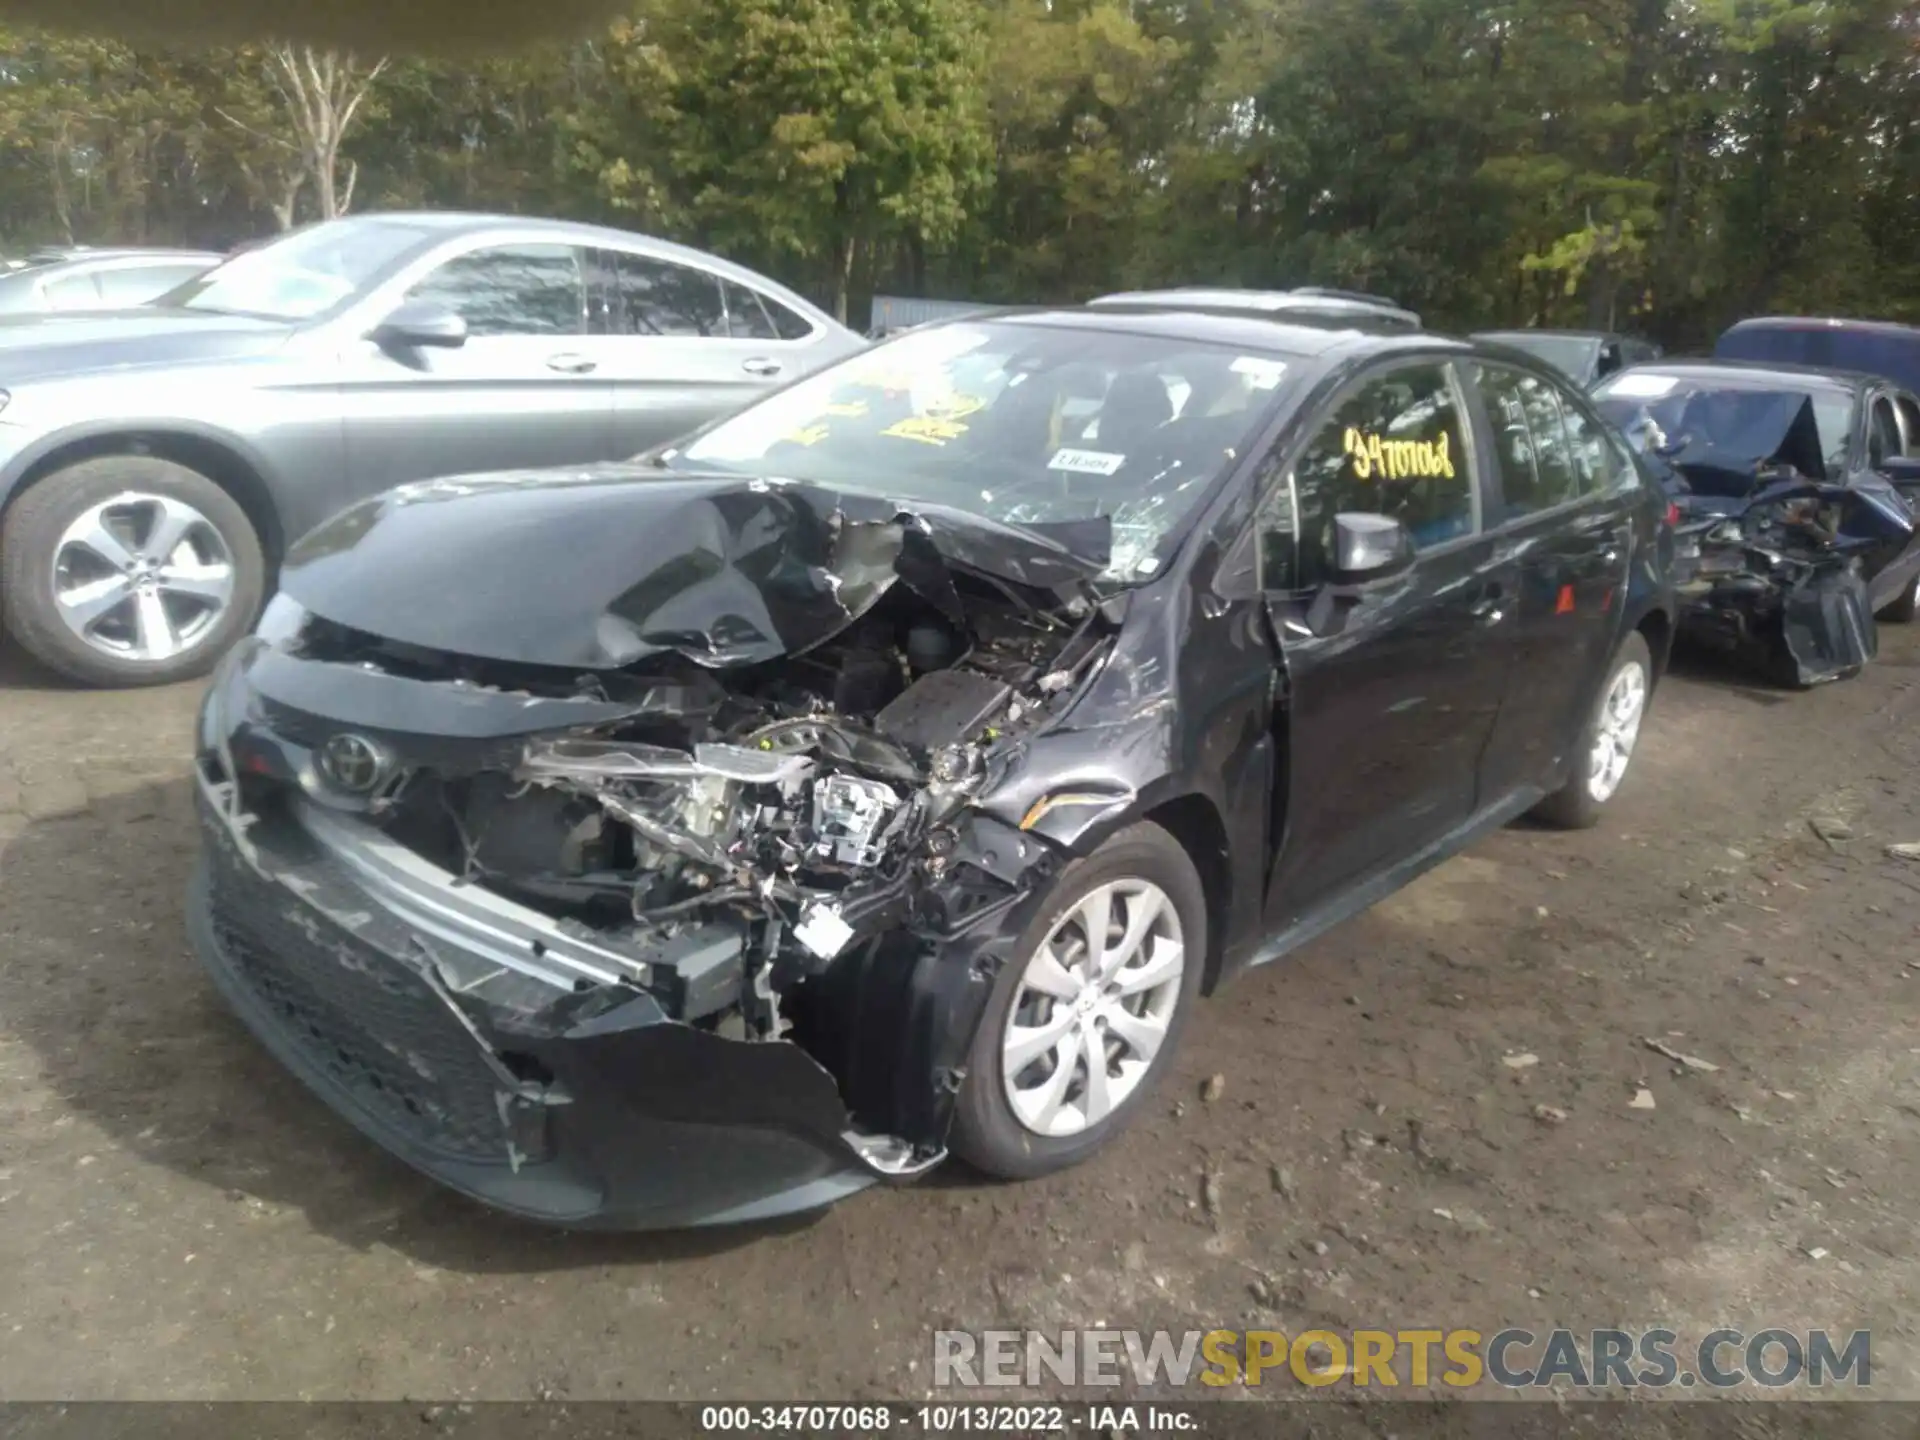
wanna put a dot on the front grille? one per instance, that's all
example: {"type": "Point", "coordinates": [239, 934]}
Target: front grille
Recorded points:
{"type": "Point", "coordinates": [297, 726]}
{"type": "Point", "coordinates": [377, 1029]}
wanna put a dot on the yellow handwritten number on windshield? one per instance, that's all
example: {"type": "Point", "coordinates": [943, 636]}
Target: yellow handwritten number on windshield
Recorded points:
{"type": "Point", "coordinates": [927, 429]}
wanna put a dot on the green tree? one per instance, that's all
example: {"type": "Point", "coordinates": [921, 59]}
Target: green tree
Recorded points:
{"type": "Point", "coordinates": [828, 130]}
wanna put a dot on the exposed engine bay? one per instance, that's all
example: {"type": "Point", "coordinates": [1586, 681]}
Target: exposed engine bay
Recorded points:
{"type": "Point", "coordinates": [809, 801]}
{"type": "Point", "coordinates": [720, 827]}
{"type": "Point", "coordinates": [1772, 562]}
{"type": "Point", "coordinates": [1778, 575]}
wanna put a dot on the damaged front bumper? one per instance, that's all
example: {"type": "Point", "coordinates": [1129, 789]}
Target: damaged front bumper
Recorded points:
{"type": "Point", "coordinates": [442, 1026]}
{"type": "Point", "coordinates": [536, 1064]}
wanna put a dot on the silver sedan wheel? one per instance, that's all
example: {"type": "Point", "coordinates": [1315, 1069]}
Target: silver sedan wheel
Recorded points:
{"type": "Point", "coordinates": [142, 577]}
{"type": "Point", "coordinates": [1620, 716]}
{"type": "Point", "coordinates": [1093, 1008]}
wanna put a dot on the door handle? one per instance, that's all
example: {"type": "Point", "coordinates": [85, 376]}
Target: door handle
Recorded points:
{"type": "Point", "coordinates": [760, 366]}
{"type": "Point", "coordinates": [572, 364]}
{"type": "Point", "coordinates": [1486, 610]}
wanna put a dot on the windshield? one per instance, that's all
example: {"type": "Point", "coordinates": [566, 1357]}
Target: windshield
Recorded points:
{"type": "Point", "coordinates": [1570, 354]}
{"type": "Point", "coordinates": [302, 275]}
{"type": "Point", "coordinates": [1655, 410]}
{"type": "Point", "coordinates": [18, 289]}
{"type": "Point", "coordinates": [1019, 423]}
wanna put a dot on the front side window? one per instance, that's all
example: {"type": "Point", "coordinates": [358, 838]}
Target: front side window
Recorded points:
{"type": "Point", "coordinates": [510, 290]}
{"type": "Point", "coordinates": [1883, 433]}
{"type": "Point", "coordinates": [1027, 424]}
{"type": "Point", "coordinates": [1910, 422]}
{"type": "Point", "coordinates": [1394, 447]}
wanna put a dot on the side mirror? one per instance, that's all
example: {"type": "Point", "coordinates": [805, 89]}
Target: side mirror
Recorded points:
{"type": "Point", "coordinates": [1902, 470]}
{"type": "Point", "coordinates": [419, 324]}
{"type": "Point", "coordinates": [1369, 547]}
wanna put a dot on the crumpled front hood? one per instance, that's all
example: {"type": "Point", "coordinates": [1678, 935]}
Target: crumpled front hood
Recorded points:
{"type": "Point", "coordinates": [1732, 434]}
{"type": "Point", "coordinates": [601, 568]}
{"type": "Point", "coordinates": [42, 347]}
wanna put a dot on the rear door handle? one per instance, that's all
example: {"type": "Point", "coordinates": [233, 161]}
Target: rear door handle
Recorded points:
{"type": "Point", "coordinates": [760, 366]}
{"type": "Point", "coordinates": [570, 364]}
{"type": "Point", "coordinates": [1487, 609]}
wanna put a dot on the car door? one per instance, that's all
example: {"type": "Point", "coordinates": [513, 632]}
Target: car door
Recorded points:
{"type": "Point", "coordinates": [1394, 685]}
{"type": "Point", "coordinates": [520, 392]}
{"type": "Point", "coordinates": [1562, 515]}
{"type": "Point", "coordinates": [678, 345]}
{"type": "Point", "coordinates": [1891, 567]}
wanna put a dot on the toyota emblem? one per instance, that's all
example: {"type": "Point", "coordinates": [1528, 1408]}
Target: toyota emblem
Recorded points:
{"type": "Point", "coordinates": [353, 763]}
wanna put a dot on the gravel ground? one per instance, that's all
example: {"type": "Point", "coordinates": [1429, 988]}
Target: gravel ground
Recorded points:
{"type": "Point", "coordinates": [178, 1219]}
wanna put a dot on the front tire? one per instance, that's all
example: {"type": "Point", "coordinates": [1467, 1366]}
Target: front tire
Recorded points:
{"type": "Point", "coordinates": [1084, 1020]}
{"type": "Point", "coordinates": [1903, 610]}
{"type": "Point", "coordinates": [129, 570]}
{"type": "Point", "coordinates": [1605, 747]}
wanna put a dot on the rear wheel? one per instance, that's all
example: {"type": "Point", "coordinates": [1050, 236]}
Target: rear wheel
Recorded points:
{"type": "Point", "coordinates": [1083, 1021]}
{"type": "Point", "coordinates": [129, 570]}
{"type": "Point", "coordinates": [1605, 747]}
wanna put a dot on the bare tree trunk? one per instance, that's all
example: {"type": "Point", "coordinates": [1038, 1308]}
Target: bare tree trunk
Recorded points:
{"type": "Point", "coordinates": [322, 92]}
{"type": "Point", "coordinates": [62, 202]}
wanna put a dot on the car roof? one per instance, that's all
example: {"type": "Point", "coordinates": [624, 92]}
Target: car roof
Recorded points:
{"type": "Point", "coordinates": [110, 252]}
{"type": "Point", "coordinates": [122, 257]}
{"type": "Point", "coordinates": [1305, 300]}
{"type": "Point", "coordinates": [1300, 336]}
{"type": "Point", "coordinates": [1816, 322]}
{"type": "Point", "coordinates": [1594, 335]}
{"type": "Point", "coordinates": [1736, 374]}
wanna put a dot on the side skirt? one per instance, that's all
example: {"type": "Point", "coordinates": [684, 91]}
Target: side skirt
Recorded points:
{"type": "Point", "coordinates": [1348, 903]}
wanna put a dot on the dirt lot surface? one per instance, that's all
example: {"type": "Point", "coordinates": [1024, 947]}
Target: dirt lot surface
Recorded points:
{"type": "Point", "coordinates": [179, 1219]}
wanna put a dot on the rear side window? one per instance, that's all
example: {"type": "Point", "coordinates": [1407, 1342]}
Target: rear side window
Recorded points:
{"type": "Point", "coordinates": [747, 318]}
{"type": "Point", "coordinates": [639, 295]}
{"type": "Point", "coordinates": [1543, 461]}
{"type": "Point", "coordinates": [1396, 447]}
{"type": "Point", "coordinates": [788, 324]}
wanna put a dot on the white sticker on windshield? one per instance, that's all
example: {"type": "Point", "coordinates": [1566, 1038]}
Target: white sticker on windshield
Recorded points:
{"type": "Point", "coordinates": [1643, 386]}
{"type": "Point", "coordinates": [1261, 373]}
{"type": "Point", "coordinates": [1086, 462]}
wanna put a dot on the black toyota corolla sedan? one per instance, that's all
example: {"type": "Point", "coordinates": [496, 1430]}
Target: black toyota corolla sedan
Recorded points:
{"type": "Point", "coordinates": [887, 770]}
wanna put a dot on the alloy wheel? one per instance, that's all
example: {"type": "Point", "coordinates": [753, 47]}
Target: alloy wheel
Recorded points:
{"type": "Point", "coordinates": [1620, 715]}
{"type": "Point", "coordinates": [142, 576]}
{"type": "Point", "coordinates": [1093, 1008]}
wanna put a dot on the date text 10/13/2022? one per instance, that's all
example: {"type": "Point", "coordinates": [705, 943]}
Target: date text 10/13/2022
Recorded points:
{"type": "Point", "coordinates": [937, 1419]}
